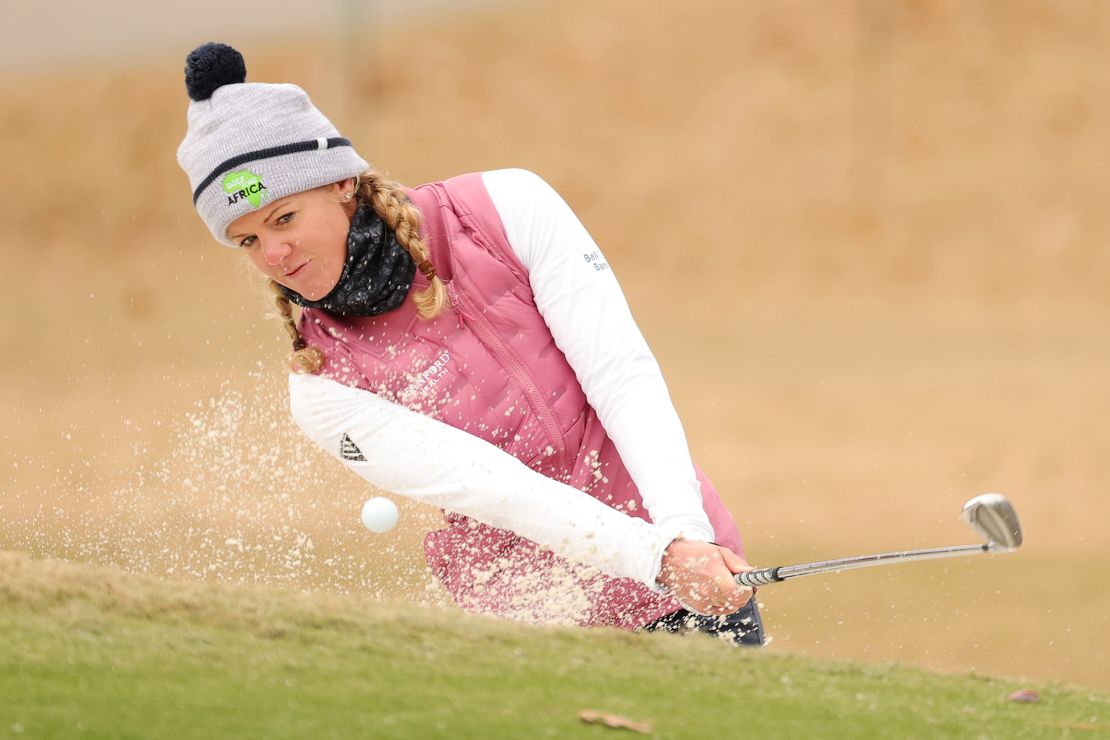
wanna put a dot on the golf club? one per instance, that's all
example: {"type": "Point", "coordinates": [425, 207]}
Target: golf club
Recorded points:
{"type": "Point", "coordinates": [990, 514]}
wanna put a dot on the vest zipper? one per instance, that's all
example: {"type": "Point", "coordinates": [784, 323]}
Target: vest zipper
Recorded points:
{"type": "Point", "coordinates": [515, 368]}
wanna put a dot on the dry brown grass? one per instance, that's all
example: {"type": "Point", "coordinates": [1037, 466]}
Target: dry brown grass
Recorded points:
{"type": "Point", "coordinates": [865, 240]}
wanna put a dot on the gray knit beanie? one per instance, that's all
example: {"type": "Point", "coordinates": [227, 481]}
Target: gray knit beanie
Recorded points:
{"type": "Point", "coordinates": [251, 143]}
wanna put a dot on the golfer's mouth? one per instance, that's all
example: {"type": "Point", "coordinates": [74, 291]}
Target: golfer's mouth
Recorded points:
{"type": "Point", "coordinates": [295, 270]}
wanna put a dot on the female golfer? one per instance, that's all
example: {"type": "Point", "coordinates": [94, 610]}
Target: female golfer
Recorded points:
{"type": "Point", "coordinates": [466, 344]}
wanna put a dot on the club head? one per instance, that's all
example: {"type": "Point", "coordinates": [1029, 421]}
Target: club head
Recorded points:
{"type": "Point", "coordinates": [994, 518]}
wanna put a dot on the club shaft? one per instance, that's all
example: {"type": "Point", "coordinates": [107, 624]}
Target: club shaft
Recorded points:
{"type": "Point", "coordinates": [783, 572]}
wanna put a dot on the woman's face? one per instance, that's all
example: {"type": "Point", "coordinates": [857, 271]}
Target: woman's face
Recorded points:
{"type": "Point", "coordinates": [300, 240]}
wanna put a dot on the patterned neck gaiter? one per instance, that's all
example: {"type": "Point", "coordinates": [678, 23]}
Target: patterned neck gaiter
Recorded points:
{"type": "Point", "coordinates": [376, 276]}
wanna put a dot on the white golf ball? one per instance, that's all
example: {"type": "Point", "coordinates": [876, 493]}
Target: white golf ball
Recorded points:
{"type": "Point", "coordinates": [379, 514]}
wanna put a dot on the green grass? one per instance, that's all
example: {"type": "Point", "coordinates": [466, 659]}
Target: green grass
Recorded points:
{"type": "Point", "coordinates": [92, 652]}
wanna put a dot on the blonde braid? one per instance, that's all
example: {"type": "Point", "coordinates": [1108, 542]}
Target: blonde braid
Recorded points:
{"type": "Point", "coordinates": [390, 201]}
{"type": "Point", "coordinates": [305, 359]}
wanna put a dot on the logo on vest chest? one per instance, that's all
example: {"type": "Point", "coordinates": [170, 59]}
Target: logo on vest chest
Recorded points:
{"type": "Point", "coordinates": [427, 379]}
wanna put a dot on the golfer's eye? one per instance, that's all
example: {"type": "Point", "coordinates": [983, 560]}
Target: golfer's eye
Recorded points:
{"type": "Point", "coordinates": [247, 241]}
{"type": "Point", "coordinates": [285, 218]}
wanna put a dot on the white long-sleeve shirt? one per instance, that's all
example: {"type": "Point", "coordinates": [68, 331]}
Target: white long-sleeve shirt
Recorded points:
{"type": "Point", "coordinates": [581, 302]}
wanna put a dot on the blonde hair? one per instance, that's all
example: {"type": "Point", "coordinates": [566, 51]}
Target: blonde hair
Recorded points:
{"type": "Point", "coordinates": [388, 199]}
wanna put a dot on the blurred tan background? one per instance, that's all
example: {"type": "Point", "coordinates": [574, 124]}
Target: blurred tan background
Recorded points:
{"type": "Point", "coordinates": [866, 239]}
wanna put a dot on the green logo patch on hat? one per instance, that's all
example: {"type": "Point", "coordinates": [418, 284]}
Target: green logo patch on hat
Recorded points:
{"type": "Point", "coordinates": [243, 184]}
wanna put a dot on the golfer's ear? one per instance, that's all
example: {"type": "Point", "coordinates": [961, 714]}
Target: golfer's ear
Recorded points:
{"type": "Point", "coordinates": [339, 187]}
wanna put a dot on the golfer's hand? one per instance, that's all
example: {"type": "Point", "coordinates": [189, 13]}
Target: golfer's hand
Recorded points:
{"type": "Point", "coordinates": [700, 576]}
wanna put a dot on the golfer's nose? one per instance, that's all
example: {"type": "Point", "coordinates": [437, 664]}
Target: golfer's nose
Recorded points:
{"type": "Point", "coordinates": [275, 250]}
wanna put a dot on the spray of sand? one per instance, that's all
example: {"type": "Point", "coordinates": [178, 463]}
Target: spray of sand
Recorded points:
{"type": "Point", "coordinates": [237, 495]}
{"type": "Point", "coordinates": [231, 491]}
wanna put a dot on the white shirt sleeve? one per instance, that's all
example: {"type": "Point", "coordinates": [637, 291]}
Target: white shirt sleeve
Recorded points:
{"type": "Point", "coordinates": [416, 456]}
{"type": "Point", "coordinates": [583, 305]}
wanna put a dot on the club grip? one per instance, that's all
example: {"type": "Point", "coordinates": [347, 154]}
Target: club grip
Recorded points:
{"type": "Point", "coordinates": [758, 577]}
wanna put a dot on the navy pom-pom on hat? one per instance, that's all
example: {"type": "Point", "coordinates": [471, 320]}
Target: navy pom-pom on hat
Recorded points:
{"type": "Point", "coordinates": [251, 143]}
{"type": "Point", "coordinates": [211, 66]}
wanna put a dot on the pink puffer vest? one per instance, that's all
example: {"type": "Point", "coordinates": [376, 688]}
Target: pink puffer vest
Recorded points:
{"type": "Point", "coordinates": [489, 366]}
